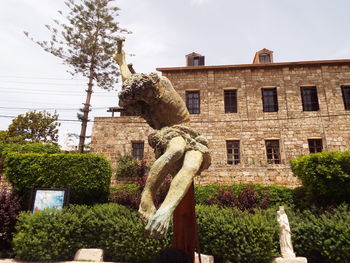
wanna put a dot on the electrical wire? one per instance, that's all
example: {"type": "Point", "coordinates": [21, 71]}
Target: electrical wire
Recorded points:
{"type": "Point", "coordinates": [218, 121]}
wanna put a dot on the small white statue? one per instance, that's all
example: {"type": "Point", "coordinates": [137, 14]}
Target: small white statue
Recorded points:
{"type": "Point", "coordinates": [285, 234]}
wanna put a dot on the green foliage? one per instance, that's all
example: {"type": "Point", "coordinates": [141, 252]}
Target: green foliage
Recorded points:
{"type": "Point", "coordinates": [26, 148]}
{"type": "Point", "coordinates": [235, 236]}
{"type": "Point", "coordinates": [87, 39]}
{"type": "Point", "coordinates": [127, 166]}
{"type": "Point", "coordinates": [5, 138]}
{"type": "Point", "coordinates": [33, 126]}
{"type": "Point", "coordinates": [58, 234]}
{"type": "Point", "coordinates": [87, 175]}
{"type": "Point", "coordinates": [325, 176]}
{"type": "Point", "coordinates": [323, 238]}
{"type": "Point", "coordinates": [276, 195]}
{"type": "Point", "coordinates": [228, 234]}
{"type": "Point", "coordinates": [29, 148]}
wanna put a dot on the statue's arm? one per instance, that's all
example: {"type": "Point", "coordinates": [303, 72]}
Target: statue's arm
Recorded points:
{"type": "Point", "coordinates": [119, 58]}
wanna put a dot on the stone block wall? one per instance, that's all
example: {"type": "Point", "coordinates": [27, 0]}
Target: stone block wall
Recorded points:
{"type": "Point", "coordinates": [250, 125]}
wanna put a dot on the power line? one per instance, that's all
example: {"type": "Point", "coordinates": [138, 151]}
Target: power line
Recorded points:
{"type": "Point", "coordinates": [219, 121]}
{"type": "Point", "coordinates": [52, 93]}
{"type": "Point", "coordinates": [23, 77]}
{"type": "Point", "coordinates": [14, 108]}
{"type": "Point", "coordinates": [47, 90]}
{"type": "Point", "coordinates": [38, 83]}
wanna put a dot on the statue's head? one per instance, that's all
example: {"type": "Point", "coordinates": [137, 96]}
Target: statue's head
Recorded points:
{"type": "Point", "coordinates": [139, 88]}
{"type": "Point", "coordinates": [281, 209]}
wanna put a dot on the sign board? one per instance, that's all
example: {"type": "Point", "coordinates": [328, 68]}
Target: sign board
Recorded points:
{"type": "Point", "coordinates": [48, 198]}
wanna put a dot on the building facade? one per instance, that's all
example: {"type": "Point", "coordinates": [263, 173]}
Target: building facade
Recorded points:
{"type": "Point", "coordinates": [257, 117]}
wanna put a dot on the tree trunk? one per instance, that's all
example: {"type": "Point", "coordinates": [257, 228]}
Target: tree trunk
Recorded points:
{"type": "Point", "coordinates": [86, 110]}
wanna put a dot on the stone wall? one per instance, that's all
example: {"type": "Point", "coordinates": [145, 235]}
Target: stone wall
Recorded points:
{"type": "Point", "coordinates": [250, 125]}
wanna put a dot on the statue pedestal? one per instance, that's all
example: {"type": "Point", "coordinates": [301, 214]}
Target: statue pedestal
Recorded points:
{"type": "Point", "coordinates": [185, 228]}
{"type": "Point", "coordinates": [290, 260]}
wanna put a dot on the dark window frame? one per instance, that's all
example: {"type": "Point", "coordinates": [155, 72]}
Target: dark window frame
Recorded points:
{"type": "Point", "coordinates": [269, 99]}
{"type": "Point", "coordinates": [345, 90]}
{"type": "Point", "coordinates": [191, 101]}
{"type": "Point", "coordinates": [309, 98]}
{"type": "Point", "coordinates": [138, 148]}
{"type": "Point", "coordinates": [315, 145]}
{"type": "Point", "coordinates": [273, 153]}
{"type": "Point", "coordinates": [264, 58]}
{"type": "Point", "coordinates": [230, 101]}
{"type": "Point", "coordinates": [233, 152]}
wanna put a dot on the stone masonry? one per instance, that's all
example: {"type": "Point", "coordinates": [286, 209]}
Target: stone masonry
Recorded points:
{"type": "Point", "coordinates": [250, 125]}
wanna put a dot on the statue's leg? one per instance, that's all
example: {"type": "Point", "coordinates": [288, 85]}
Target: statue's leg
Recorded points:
{"type": "Point", "coordinates": [158, 224]}
{"type": "Point", "coordinates": [157, 174]}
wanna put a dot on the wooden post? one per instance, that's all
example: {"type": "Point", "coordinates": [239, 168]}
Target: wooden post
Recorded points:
{"type": "Point", "coordinates": [185, 233]}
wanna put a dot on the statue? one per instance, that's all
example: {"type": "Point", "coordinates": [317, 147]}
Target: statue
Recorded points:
{"type": "Point", "coordinates": [288, 255]}
{"type": "Point", "coordinates": [285, 234]}
{"type": "Point", "coordinates": [179, 150]}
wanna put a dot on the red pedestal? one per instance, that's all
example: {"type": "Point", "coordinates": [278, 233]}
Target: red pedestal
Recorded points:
{"type": "Point", "coordinates": [185, 233]}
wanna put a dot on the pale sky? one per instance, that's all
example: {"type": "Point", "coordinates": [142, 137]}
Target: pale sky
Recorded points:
{"type": "Point", "coordinates": [225, 31]}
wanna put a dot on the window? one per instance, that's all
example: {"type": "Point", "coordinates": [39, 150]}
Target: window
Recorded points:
{"type": "Point", "coordinates": [137, 150]}
{"type": "Point", "coordinates": [232, 148]}
{"type": "Point", "coordinates": [269, 98]}
{"type": "Point", "coordinates": [273, 151]}
{"type": "Point", "coordinates": [315, 145]}
{"type": "Point", "coordinates": [309, 98]}
{"type": "Point", "coordinates": [346, 96]}
{"type": "Point", "coordinates": [264, 58]}
{"type": "Point", "coordinates": [196, 61]}
{"type": "Point", "coordinates": [230, 100]}
{"type": "Point", "coordinates": [193, 102]}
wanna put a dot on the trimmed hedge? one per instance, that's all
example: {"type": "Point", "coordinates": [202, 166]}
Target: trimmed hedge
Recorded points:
{"type": "Point", "coordinates": [246, 197]}
{"type": "Point", "coordinates": [322, 238]}
{"type": "Point", "coordinates": [29, 148]}
{"type": "Point", "coordinates": [228, 234]}
{"type": "Point", "coordinates": [87, 175]}
{"type": "Point", "coordinates": [26, 148]}
{"type": "Point", "coordinates": [53, 235]}
{"type": "Point", "coordinates": [325, 176]}
{"type": "Point", "coordinates": [235, 236]}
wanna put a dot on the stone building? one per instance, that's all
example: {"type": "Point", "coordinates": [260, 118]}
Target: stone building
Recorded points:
{"type": "Point", "coordinates": [257, 117]}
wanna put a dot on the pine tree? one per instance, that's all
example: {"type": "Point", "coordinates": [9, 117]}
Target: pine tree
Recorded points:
{"type": "Point", "coordinates": [86, 41]}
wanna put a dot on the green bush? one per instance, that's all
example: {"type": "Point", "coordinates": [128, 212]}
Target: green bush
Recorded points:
{"type": "Point", "coordinates": [57, 234]}
{"type": "Point", "coordinates": [29, 148]}
{"type": "Point", "coordinates": [235, 236]}
{"type": "Point", "coordinates": [325, 176]}
{"type": "Point", "coordinates": [87, 175]}
{"type": "Point", "coordinates": [275, 195]}
{"type": "Point", "coordinates": [26, 148]}
{"type": "Point", "coordinates": [323, 238]}
{"type": "Point", "coordinates": [228, 234]}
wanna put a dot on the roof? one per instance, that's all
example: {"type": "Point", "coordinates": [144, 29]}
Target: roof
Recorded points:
{"type": "Point", "coordinates": [242, 66]}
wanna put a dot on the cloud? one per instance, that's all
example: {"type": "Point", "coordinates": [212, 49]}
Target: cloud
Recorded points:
{"type": "Point", "coordinates": [200, 2]}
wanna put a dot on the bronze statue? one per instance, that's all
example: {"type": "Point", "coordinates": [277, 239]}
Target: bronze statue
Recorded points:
{"type": "Point", "coordinates": [180, 151]}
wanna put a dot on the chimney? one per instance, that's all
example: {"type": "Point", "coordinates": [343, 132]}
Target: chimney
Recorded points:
{"type": "Point", "coordinates": [194, 59]}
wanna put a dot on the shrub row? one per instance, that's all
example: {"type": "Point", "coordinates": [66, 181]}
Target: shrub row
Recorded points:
{"type": "Point", "coordinates": [87, 175]}
{"type": "Point", "coordinates": [325, 176]}
{"type": "Point", "coordinates": [245, 197]}
{"type": "Point", "coordinates": [228, 234]}
{"type": "Point", "coordinates": [26, 148]}
{"type": "Point", "coordinates": [57, 234]}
